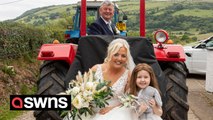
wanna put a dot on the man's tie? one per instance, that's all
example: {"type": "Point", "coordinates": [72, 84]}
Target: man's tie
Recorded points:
{"type": "Point", "coordinates": [110, 28]}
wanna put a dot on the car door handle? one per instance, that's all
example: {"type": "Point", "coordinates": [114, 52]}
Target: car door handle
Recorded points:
{"type": "Point", "coordinates": [189, 54]}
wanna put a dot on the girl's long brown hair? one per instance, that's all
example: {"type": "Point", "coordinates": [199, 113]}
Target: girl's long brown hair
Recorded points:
{"type": "Point", "coordinates": [153, 81]}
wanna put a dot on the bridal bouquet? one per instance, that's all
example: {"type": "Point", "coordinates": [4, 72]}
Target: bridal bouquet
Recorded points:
{"type": "Point", "coordinates": [87, 94]}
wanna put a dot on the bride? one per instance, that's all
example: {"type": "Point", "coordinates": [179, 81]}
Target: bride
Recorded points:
{"type": "Point", "coordinates": [116, 68]}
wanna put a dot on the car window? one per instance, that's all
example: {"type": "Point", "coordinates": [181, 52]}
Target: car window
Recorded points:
{"type": "Point", "coordinates": [201, 45]}
{"type": "Point", "coordinates": [209, 43]}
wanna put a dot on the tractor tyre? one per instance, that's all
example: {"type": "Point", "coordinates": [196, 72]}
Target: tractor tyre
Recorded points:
{"type": "Point", "coordinates": [51, 82]}
{"type": "Point", "coordinates": [176, 107]}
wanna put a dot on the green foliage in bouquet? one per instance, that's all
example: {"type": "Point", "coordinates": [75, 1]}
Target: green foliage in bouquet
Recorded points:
{"type": "Point", "coordinates": [100, 98]}
{"type": "Point", "coordinates": [87, 94]}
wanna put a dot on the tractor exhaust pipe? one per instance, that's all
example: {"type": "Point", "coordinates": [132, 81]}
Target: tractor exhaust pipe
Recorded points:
{"type": "Point", "coordinates": [83, 18]}
{"type": "Point", "coordinates": [142, 19]}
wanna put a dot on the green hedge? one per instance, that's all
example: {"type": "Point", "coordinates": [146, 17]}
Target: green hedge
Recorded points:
{"type": "Point", "coordinates": [17, 40]}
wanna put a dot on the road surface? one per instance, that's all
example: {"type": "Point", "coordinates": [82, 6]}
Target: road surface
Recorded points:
{"type": "Point", "coordinates": [200, 101]}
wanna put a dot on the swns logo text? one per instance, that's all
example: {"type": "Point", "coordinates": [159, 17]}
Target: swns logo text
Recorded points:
{"type": "Point", "coordinates": [40, 102]}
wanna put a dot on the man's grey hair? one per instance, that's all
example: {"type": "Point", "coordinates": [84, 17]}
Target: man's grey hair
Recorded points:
{"type": "Point", "coordinates": [107, 2]}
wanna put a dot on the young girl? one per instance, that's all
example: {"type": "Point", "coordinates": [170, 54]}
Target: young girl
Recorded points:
{"type": "Point", "coordinates": [143, 84]}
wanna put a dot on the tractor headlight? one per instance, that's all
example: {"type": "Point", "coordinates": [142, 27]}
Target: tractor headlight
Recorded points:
{"type": "Point", "coordinates": [161, 36]}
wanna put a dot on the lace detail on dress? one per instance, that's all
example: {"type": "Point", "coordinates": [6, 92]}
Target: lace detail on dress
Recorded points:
{"type": "Point", "coordinates": [119, 86]}
{"type": "Point", "coordinates": [98, 74]}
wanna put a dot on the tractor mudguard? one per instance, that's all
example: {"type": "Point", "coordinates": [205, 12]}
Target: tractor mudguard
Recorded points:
{"type": "Point", "coordinates": [170, 53]}
{"type": "Point", "coordinates": [63, 52]}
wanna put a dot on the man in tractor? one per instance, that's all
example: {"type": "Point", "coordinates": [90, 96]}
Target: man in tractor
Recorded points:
{"type": "Point", "coordinates": [103, 25]}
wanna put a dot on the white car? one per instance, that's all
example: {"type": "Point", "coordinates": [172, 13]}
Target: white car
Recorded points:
{"type": "Point", "coordinates": [196, 56]}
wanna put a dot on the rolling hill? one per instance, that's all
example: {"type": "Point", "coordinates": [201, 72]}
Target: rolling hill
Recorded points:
{"type": "Point", "coordinates": [179, 16]}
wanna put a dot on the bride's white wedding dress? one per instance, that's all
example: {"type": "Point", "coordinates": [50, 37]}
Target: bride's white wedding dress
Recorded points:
{"type": "Point", "coordinates": [121, 113]}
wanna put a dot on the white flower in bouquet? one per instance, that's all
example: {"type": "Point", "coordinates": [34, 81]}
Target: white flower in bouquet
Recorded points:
{"type": "Point", "coordinates": [87, 94]}
{"type": "Point", "coordinates": [73, 91]}
{"type": "Point", "coordinates": [77, 102]}
{"type": "Point", "coordinates": [89, 85]}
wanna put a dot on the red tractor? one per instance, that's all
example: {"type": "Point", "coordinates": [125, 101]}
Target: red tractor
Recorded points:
{"type": "Point", "coordinates": [63, 61]}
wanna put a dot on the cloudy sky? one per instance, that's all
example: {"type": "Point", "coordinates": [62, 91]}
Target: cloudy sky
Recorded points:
{"type": "Point", "coordinates": [10, 9]}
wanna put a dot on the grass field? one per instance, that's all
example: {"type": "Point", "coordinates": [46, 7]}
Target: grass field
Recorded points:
{"type": "Point", "coordinates": [132, 9]}
{"type": "Point", "coordinates": [204, 36]}
{"type": "Point", "coordinates": [196, 13]}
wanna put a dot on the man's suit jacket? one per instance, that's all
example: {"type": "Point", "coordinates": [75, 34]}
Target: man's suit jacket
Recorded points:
{"type": "Point", "coordinates": [99, 27]}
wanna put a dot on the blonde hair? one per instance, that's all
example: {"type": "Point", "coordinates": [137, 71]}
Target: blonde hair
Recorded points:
{"type": "Point", "coordinates": [114, 47]}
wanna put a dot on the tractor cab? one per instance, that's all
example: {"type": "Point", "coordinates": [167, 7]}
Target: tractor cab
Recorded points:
{"type": "Point", "coordinates": [72, 34]}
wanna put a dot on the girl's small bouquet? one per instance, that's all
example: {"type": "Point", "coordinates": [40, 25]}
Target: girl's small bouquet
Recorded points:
{"type": "Point", "coordinates": [128, 100]}
{"type": "Point", "coordinates": [87, 94]}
